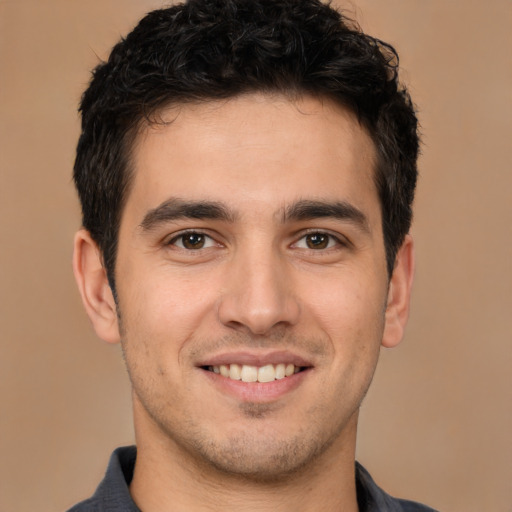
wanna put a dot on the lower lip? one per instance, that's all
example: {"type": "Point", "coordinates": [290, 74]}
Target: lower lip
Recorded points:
{"type": "Point", "coordinates": [262, 392]}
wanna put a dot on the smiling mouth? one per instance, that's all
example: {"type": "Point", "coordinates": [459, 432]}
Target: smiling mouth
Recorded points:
{"type": "Point", "coordinates": [249, 373]}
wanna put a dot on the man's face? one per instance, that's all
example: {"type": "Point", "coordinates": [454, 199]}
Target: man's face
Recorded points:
{"type": "Point", "coordinates": [251, 241]}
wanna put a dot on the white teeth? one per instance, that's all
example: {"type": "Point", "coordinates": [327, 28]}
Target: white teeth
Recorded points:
{"type": "Point", "coordinates": [290, 368]}
{"type": "Point", "coordinates": [249, 373]}
{"type": "Point", "coordinates": [280, 371]}
{"type": "Point", "coordinates": [235, 372]}
{"type": "Point", "coordinates": [267, 373]}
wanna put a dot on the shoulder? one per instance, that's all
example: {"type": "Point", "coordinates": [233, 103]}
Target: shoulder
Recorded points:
{"type": "Point", "coordinates": [113, 492]}
{"type": "Point", "coordinates": [413, 506]}
{"type": "Point", "coordinates": [89, 505]}
{"type": "Point", "coordinates": [372, 498]}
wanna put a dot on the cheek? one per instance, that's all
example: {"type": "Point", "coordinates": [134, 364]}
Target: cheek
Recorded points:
{"type": "Point", "coordinates": [348, 303]}
{"type": "Point", "coordinates": [162, 312]}
{"type": "Point", "coordinates": [350, 312]}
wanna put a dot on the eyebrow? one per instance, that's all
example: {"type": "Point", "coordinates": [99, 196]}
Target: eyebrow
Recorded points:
{"type": "Point", "coordinates": [310, 209]}
{"type": "Point", "coordinates": [175, 208]}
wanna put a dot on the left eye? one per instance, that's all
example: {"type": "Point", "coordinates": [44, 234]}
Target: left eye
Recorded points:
{"type": "Point", "coordinates": [317, 241]}
{"type": "Point", "coordinates": [192, 241]}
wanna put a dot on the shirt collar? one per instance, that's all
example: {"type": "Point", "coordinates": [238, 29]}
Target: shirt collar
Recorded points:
{"type": "Point", "coordinates": [113, 493]}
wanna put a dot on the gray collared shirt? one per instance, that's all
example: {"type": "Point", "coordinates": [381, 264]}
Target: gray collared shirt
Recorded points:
{"type": "Point", "coordinates": [113, 493]}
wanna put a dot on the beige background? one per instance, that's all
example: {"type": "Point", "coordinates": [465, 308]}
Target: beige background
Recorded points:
{"type": "Point", "coordinates": [436, 425]}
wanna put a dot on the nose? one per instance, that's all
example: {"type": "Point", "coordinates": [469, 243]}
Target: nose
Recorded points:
{"type": "Point", "coordinates": [259, 294]}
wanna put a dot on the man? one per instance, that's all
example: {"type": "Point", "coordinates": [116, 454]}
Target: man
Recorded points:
{"type": "Point", "coordinates": [246, 170]}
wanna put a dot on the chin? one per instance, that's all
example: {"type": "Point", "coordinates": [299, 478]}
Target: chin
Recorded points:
{"type": "Point", "coordinates": [261, 455]}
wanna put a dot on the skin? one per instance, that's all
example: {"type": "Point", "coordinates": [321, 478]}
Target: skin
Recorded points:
{"type": "Point", "coordinates": [285, 261]}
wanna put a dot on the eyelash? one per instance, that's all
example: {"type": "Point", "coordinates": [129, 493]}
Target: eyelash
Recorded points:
{"type": "Point", "coordinates": [332, 240]}
{"type": "Point", "coordinates": [181, 236]}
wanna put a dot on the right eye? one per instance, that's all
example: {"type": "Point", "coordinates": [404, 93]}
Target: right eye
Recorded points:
{"type": "Point", "coordinates": [192, 241]}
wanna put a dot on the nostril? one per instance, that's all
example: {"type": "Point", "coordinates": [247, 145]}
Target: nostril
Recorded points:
{"type": "Point", "coordinates": [258, 300]}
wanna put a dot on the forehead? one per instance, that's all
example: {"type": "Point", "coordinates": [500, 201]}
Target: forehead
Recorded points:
{"type": "Point", "coordinates": [257, 147]}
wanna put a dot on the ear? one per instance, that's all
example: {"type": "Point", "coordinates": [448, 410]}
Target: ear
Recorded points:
{"type": "Point", "coordinates": [399, 294]}
{"type": "Point", "coordinates": [94, 288]}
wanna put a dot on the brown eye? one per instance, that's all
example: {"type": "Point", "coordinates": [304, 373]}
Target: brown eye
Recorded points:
{"type": "Point", "coordinates": [317, 240]}
{"type": "Point", "coordinates": [192, 241]}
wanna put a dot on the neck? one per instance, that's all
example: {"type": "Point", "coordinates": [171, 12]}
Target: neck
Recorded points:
{"type": "Point", "coordinates": [167, 477]}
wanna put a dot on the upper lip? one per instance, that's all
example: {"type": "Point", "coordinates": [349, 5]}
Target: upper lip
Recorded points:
{"type": "Point", "coordinates": [254, 358]}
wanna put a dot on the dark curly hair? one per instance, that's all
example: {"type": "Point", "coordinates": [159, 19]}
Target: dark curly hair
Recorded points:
{"type": "Point", "coordinates": [204, 50]}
